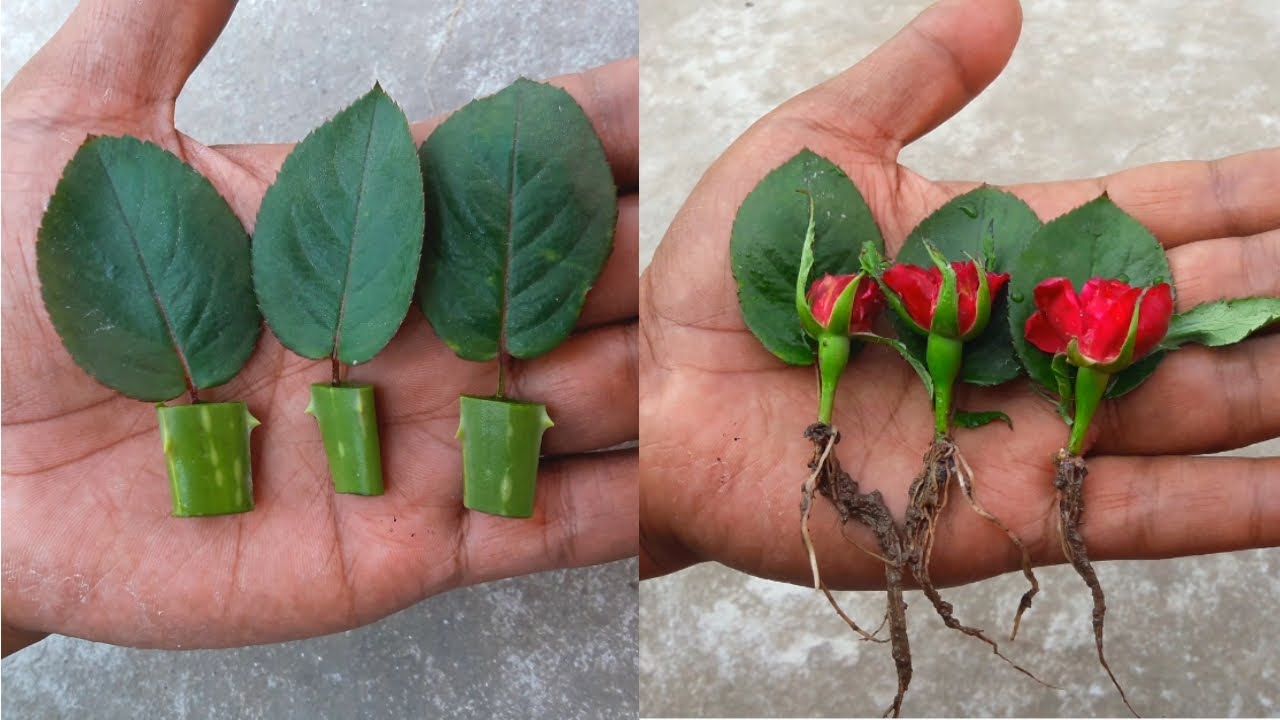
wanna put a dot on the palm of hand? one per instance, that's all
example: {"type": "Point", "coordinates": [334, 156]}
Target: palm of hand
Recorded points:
{"type": "Point", "coordinates": [723, 419]}
{"type": "Point", "coordinates": [85, 489]}
{"type": "Point", "coordinates": [886, 424]}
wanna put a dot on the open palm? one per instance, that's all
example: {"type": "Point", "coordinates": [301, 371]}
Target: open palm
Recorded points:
{"type": "Point", "coordinates": [89, 547]}
{"type": "Point", "coordinates": [722, 419]}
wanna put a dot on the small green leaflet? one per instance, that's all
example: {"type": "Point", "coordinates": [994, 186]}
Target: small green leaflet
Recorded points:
{"type": "Point", "coordinates": [984, 224]}
{"type": "Point", "coordinates": [916, 363]}
{"type": "Point", "coordinates": [971, 420]}
{"type": "Point", "coordinates": [768, 236]}
{"type": "Point", "coordinates": [521, 207]}
{"type": "Point", "coordinates": [1221, 323]}
{"type": "Point", "coordinates": [145, 271]}
{"type": "Point", "coordinates": [339, 234]}
{"type": "Point", "coordinates": [1097, 239]}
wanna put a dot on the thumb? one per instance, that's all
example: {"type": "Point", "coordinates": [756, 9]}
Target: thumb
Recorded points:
{"type": "Point", "coordinates": [922, 76]}
{"type": "Point", "coordinates": [116, 54]}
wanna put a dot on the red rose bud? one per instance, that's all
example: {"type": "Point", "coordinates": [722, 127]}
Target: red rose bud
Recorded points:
{"type": "Point", "coordinates": [918, 289]}
{"type": "Point", "coordinates": [867, 302]}
{"type": "Point", "coordinates": [1099, 327]}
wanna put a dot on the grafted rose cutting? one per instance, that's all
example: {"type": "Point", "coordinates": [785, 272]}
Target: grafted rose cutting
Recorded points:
{"type": "Point", "coordinates": [835, 307]}
{"type": "Point", "coordinates": [950, 303]}
{"type": "Point", "coordinates": [1108, 326]}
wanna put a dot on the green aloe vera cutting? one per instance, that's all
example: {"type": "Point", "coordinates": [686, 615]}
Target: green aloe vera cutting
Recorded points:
{"type": "Point", "coordinates": [520, 208]}
{"type": "Point", "coordinates": [335, 257]}
{"type": "Point", "coordinates": [145, 275]}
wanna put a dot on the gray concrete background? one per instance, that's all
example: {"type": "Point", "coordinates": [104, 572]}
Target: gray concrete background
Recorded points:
{"type": "Point", "coordinates": [559, 644]}
{"type": "Point", "coordinates": [1092, 87]}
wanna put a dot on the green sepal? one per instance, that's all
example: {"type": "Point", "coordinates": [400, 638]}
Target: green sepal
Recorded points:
{"type": "Point", "coordinates": [842, 311]}
{"type": "Point", "coordinates": [1091, 386]}
{"type": "Point", "coordinates": [976, 419]}
{"type": "Point", "coordinates": [1064, 378]}
{"type": "Point", "coordinates": [501, 444]}
{"type": "Point", "coordinates": [348, 423]}
{"type": "Point", "coordinates": [206, 451]}
{"type": "Point", "coordinates": [981, 305]}
{"type": "Point", "coordinates": [874, 264]}
{"type": "Point", "coordinates": [811, 326]}
{"type": "Point", "coordinates": [946, 309]}
{"type": "Point", "coordinates": [1124, 359]}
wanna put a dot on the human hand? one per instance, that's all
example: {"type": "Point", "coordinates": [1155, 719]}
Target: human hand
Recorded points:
{"type": "Point", "coordinates": [722, 418]}
{"type": "Point", "coordinates": [89, 547]}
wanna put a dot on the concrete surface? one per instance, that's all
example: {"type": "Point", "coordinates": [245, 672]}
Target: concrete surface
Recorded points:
{"type": "Point", "coordinates": [279, 70]}
{"type": "Point", "coordinates": [1093, 87]}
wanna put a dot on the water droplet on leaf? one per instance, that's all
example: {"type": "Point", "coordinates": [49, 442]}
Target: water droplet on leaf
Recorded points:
{"type": "Point", "coordinates": [1017, 296]}
{"type": "Point", "coordinates": [969, 210]}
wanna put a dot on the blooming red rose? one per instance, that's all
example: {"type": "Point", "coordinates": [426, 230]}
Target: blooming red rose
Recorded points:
{"type": "Point", "coordinates": [1097, 322]}
{"type": "Point", "coordinates": [867, 301]}
{"type": "Point", "coordinates": [918, 288]}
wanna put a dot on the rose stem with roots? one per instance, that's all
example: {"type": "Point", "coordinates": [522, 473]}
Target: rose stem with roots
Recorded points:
{"type": "Point", "coordinates": [821, 456]}
{"type": "Point", "coordinates": [1069, 481]}
{"type": "Point", "coordinates": [942, 462]}
{"type": "Point", "coordinates": [829, 480]}
{"type": "Point", "coordinates": [926, 500]}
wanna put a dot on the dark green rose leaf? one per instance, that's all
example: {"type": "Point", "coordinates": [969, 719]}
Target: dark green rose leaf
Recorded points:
{"type": "Point", "coordinates": [521, 208]}
{"type": "Point", "coordinates": [1221, 323]}
{"type": "Point", "coordinates": [983, 224]}
{"type": "Point", "coordinates": [768, 236]}
{"type": "Point", "coordinates": [339, 234]}
{"type": "Point", "coordinates": [145, 271]}
{"type": "Point", "coordinates": [971, 420]}
{"type": "Point", "coordinates": [1097, 239]}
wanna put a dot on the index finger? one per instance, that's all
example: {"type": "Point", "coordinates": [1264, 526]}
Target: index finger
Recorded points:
{"type": "Point", "coordinates": [1179, 202]}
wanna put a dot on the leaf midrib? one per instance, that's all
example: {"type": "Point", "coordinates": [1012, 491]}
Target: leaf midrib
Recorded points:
{"type": "Point", "coordinates": [146, 276]}
{"type": "Point", "coordinates": [507, 249]}
{"type": "Point", "coordinates": [355, 224]}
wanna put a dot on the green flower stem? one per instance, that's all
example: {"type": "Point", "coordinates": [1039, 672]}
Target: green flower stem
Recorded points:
{"type": "Point", "coordinates": [833, 356]}
{"type": "Point", "coordinates": [501, 442]}
{"type": "Point", "coordinates": [349, 426]}
{"type": "Point", "coordinates": [1091, 385]}
{"type": "Point", "coordinates": [206, 449]}
{"type": "Point", "coordinates": [943, 356]}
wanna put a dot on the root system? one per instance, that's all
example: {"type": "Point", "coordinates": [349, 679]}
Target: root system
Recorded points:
{"type": "Point", "coordinates": [926, 499]}
{"type": "Point", "coordinates": [1069, 480]}
{"type": "Point", "coordinates": [901, 547]}
{"type": "Point", "coordinates": [828, 479]}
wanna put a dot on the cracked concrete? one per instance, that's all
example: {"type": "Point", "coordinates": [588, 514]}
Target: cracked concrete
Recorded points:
{"type": "Point", "coordinates": [279, 70]}
{"type": "Point", "coordinates": [1092, 88]}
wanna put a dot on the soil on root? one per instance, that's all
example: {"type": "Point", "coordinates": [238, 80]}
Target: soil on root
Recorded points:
{"type": "Point", "coordinates": [926, 499]}
{"type": "Point", "coordinates": [828, 479]}
{"type": "Point", "coordinates": [1069, 481]}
